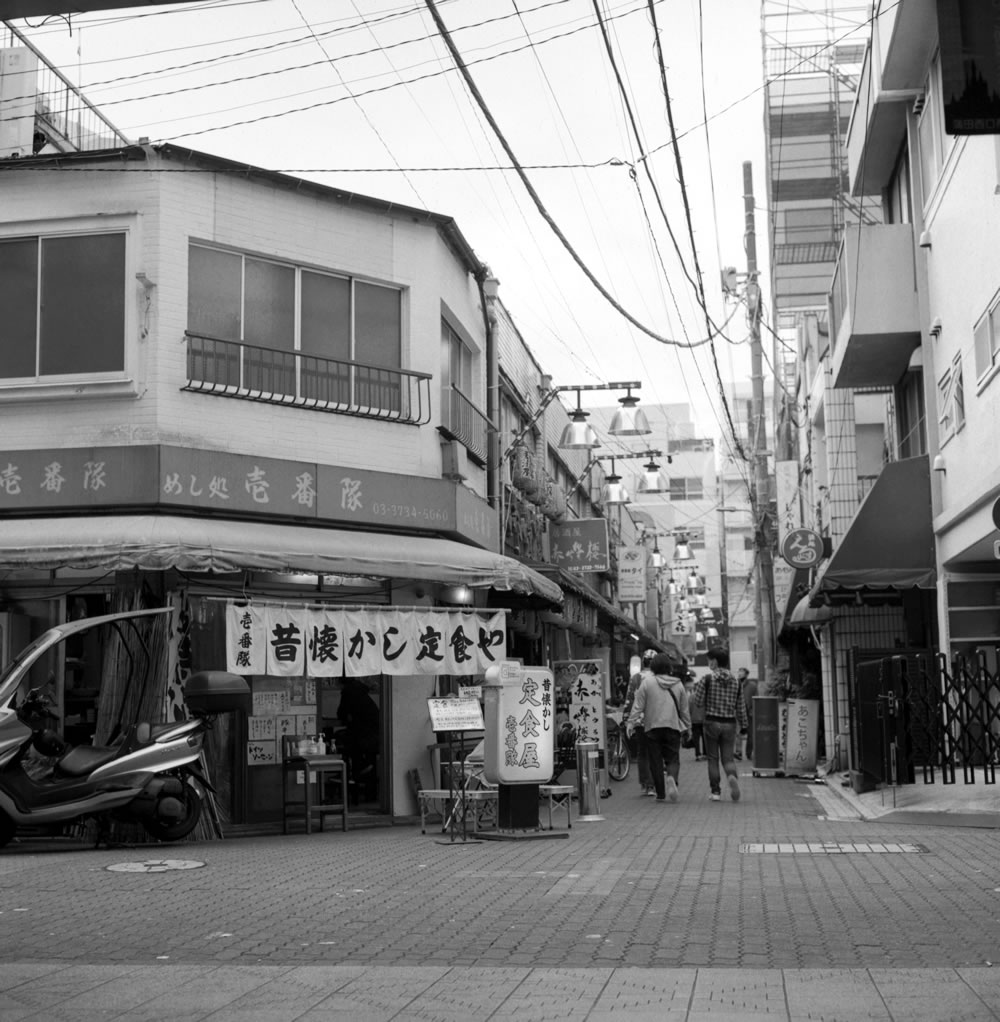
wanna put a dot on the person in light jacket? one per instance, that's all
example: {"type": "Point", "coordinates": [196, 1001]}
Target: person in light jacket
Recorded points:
{"type": "Point", "coordinates": [661, 703]}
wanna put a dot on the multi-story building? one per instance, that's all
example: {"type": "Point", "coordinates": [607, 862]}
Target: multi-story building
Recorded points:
{"type": "Point", "coordinates": [902, 403]}
{"type": "Point", "coordinates": [262, 400]}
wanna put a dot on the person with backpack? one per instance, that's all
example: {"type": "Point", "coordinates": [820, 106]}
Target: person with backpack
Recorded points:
{"type": "Point", "coordinates": [661, 703]}
{"type": "Point", "coordinates": [721, 696]}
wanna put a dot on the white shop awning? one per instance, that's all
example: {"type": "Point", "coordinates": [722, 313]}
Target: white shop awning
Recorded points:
{"type": "Point", "coordinates": [158, 542]}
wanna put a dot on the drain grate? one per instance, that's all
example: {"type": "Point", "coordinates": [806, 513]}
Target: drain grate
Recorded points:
{"type": "Point", "coordinates": [830, 848]}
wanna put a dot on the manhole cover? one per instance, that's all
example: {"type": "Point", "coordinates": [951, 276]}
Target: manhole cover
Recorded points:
{"type": "Point", "coordinates": [154, 866]}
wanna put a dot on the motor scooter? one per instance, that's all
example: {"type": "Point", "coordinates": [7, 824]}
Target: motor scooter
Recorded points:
{"type": "Point", "coordinates": [147, 775]}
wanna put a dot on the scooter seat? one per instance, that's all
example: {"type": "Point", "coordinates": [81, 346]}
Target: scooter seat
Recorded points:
{"type": "Point", "coordinates": [82, 759]}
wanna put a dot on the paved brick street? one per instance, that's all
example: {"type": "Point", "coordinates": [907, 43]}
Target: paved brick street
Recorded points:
{"type": "Point", "coordinates": [685, 893]}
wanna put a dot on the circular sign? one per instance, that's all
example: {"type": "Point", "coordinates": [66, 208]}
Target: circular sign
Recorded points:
{"type": "Point", "coordinates": [802, 548]}
{"type": "Point", "coordinates": [154, 866]}
{"type": "Point", "coordinates": [996, 513]}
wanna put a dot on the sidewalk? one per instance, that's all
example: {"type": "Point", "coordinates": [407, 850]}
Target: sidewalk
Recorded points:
{"type": "Point", "coordinates": [789, 904]}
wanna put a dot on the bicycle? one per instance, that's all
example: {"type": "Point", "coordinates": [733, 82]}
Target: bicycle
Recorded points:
{"type": "Point", "coordinates": [618, 757]}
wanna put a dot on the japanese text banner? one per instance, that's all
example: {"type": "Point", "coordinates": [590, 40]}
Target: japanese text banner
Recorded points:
{"type": "Point", "coordinates": [360, 642]}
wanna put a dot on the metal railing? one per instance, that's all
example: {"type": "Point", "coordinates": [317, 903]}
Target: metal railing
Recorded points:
{"type": "Point", "coordinates": [464, 422]}
{"type": "Point", "coordinates": [252, 373]}
{"type": "Point", "coordinates": [66, 117]}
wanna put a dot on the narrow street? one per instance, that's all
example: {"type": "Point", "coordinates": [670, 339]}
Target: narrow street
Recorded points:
{"type": "Point", "coordinates": [726, 909]}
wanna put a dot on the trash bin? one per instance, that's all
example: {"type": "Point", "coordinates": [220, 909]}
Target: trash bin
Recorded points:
{"type": "Point", "coordinates": [588, 777]}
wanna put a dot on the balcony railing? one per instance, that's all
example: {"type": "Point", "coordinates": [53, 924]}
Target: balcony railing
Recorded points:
{"type": "Point", "coordinates": [463, 421]}
{"type": "Point", "coordinates": [233, 369]}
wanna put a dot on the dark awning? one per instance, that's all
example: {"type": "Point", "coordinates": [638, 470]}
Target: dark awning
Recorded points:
{"type": "Point", "coordinates": [890, 543]}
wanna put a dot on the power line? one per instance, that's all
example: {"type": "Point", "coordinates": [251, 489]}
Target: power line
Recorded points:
{"type": "Point", "coordinates": [526, 181]}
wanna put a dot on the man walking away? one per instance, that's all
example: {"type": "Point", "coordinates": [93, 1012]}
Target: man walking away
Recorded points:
{"type": "Point", "coordinates": [725, 714]}
{"type": "Point", "coordinates": [749, 691]}
{"type": "Point", "coordinates": [637, 731]}
{"type": "Point", "coordinates": [661, 702]}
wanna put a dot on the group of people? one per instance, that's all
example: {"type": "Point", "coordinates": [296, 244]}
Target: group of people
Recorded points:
{"type": "Point", "coordinates": [663, 712]}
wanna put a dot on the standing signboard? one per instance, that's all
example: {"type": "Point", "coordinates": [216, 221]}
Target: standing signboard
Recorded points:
{"type": "Point", "coordinates": [801, 734]}
{"type": "Point", "coordinates": [580, 687]}
{"type": "Point", "coordinates": [518, 743]}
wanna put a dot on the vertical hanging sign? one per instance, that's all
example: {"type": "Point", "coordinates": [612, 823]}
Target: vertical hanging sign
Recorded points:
{"type": "Point", "coordinates": [631, 574]}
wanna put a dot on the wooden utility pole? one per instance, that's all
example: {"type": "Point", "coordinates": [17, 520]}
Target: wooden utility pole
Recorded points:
{"type": "Point", "coordinates": [760, 497]}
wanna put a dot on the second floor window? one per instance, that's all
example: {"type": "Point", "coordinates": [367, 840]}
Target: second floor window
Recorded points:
{"type": "Point", "coordinates": [686, 489]}
{"type": "Point", "coordinates": [63, 302]}
{"type": "Point", "coordinates": [986, 339]}
{"type": "Point", "coordinates": [236, 297]}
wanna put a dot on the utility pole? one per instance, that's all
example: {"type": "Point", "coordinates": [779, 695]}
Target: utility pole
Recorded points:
{"type": "Point", "coordinates": [760, 497]}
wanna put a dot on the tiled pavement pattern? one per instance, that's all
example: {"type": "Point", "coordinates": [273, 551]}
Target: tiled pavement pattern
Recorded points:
{"type": "Point", "coordinates": [659, 911]}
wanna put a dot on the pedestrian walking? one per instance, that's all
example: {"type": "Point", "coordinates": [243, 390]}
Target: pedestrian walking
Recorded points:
{"type": "Point", "coordinates": [719, 694]}
{"type": "Point", "coordinates": [749, 691]}
{"type": "Point", "coordinates": [697, 722]}
{"type": "Point", "coordinates": [635, 731]}
{"type": "Point", "coordinates": [661, 703]}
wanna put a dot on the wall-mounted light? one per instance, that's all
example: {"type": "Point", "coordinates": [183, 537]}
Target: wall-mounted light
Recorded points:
{"type": "Point", "coordinates": [460, 594]}
{"type": "Point", "coordinates": [145, 281]}
{"type": "Point", "coordinates": [939, 463]}
{"type": "Point", "coordinates": [925, 239]}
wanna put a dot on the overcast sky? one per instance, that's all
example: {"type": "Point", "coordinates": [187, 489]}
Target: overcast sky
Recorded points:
{"type": "Point", "coordinates": [364, 95]}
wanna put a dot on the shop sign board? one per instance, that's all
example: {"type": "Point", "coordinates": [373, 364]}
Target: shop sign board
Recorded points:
{"type": "Point", "coordinates": [580, 546]}
{"type": "Point", "coordinates": [802, 548]}
{"type": "Point", "coordinates": [518, 741]}
{"type": "Point", "coordinates": [632, 574]}
{"type": "Point", "coordinates": [279, 640]}
{"type": "Point", "coordinates": [968, 31]}
{"type": "Point", "coordinates": [582, 686]}
{"type": "Point", "coordinates": [801, 734]}
{"type": "Point", "coordinates": [179, 477]}
{"type": "Point", "coordinates": [455, 714]}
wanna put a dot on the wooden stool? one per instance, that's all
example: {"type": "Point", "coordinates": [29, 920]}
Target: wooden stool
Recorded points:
{"type": "Point", "coordinates": [325, 772]}
{"type": "Point", "coordinates": [560, 796]}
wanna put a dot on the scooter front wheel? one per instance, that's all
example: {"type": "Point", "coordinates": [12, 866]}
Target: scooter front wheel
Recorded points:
{"type": "Point", "coordinates": [173, 828]}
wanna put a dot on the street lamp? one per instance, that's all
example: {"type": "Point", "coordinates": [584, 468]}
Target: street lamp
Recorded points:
{"type": "Point", "coordinates": [579, 434]}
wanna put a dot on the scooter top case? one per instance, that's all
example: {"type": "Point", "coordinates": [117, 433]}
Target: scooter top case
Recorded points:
{"type": "Point", "coordinates": [208, 693]}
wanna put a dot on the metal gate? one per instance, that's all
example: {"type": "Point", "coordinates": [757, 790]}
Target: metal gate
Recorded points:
{"type": "Point", "coordinates": [919, 713]}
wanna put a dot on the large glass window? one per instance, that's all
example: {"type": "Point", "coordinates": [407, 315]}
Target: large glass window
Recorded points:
{"type": "Point", "coordinates": [233, 297]}
{"type": "Point", "coordinates": [323, 321]}
{"type": "Point", "coordinates": [986, 339]}
{"type": "Point", "coordinates": [63, 302]}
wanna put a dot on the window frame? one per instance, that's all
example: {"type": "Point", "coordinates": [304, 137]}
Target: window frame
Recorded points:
{"type": "Point", "coordinates": [135, 306]}
{"type": "Point", "coordinates": [951, 401]}
{"type": "Point", "coordinates": [987, 355]}
{"type": "Point", "coordinates": [298, 270]}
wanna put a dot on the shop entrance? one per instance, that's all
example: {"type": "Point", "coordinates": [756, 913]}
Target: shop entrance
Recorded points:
{"type": "Point", "coordinates": [351, 717]}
